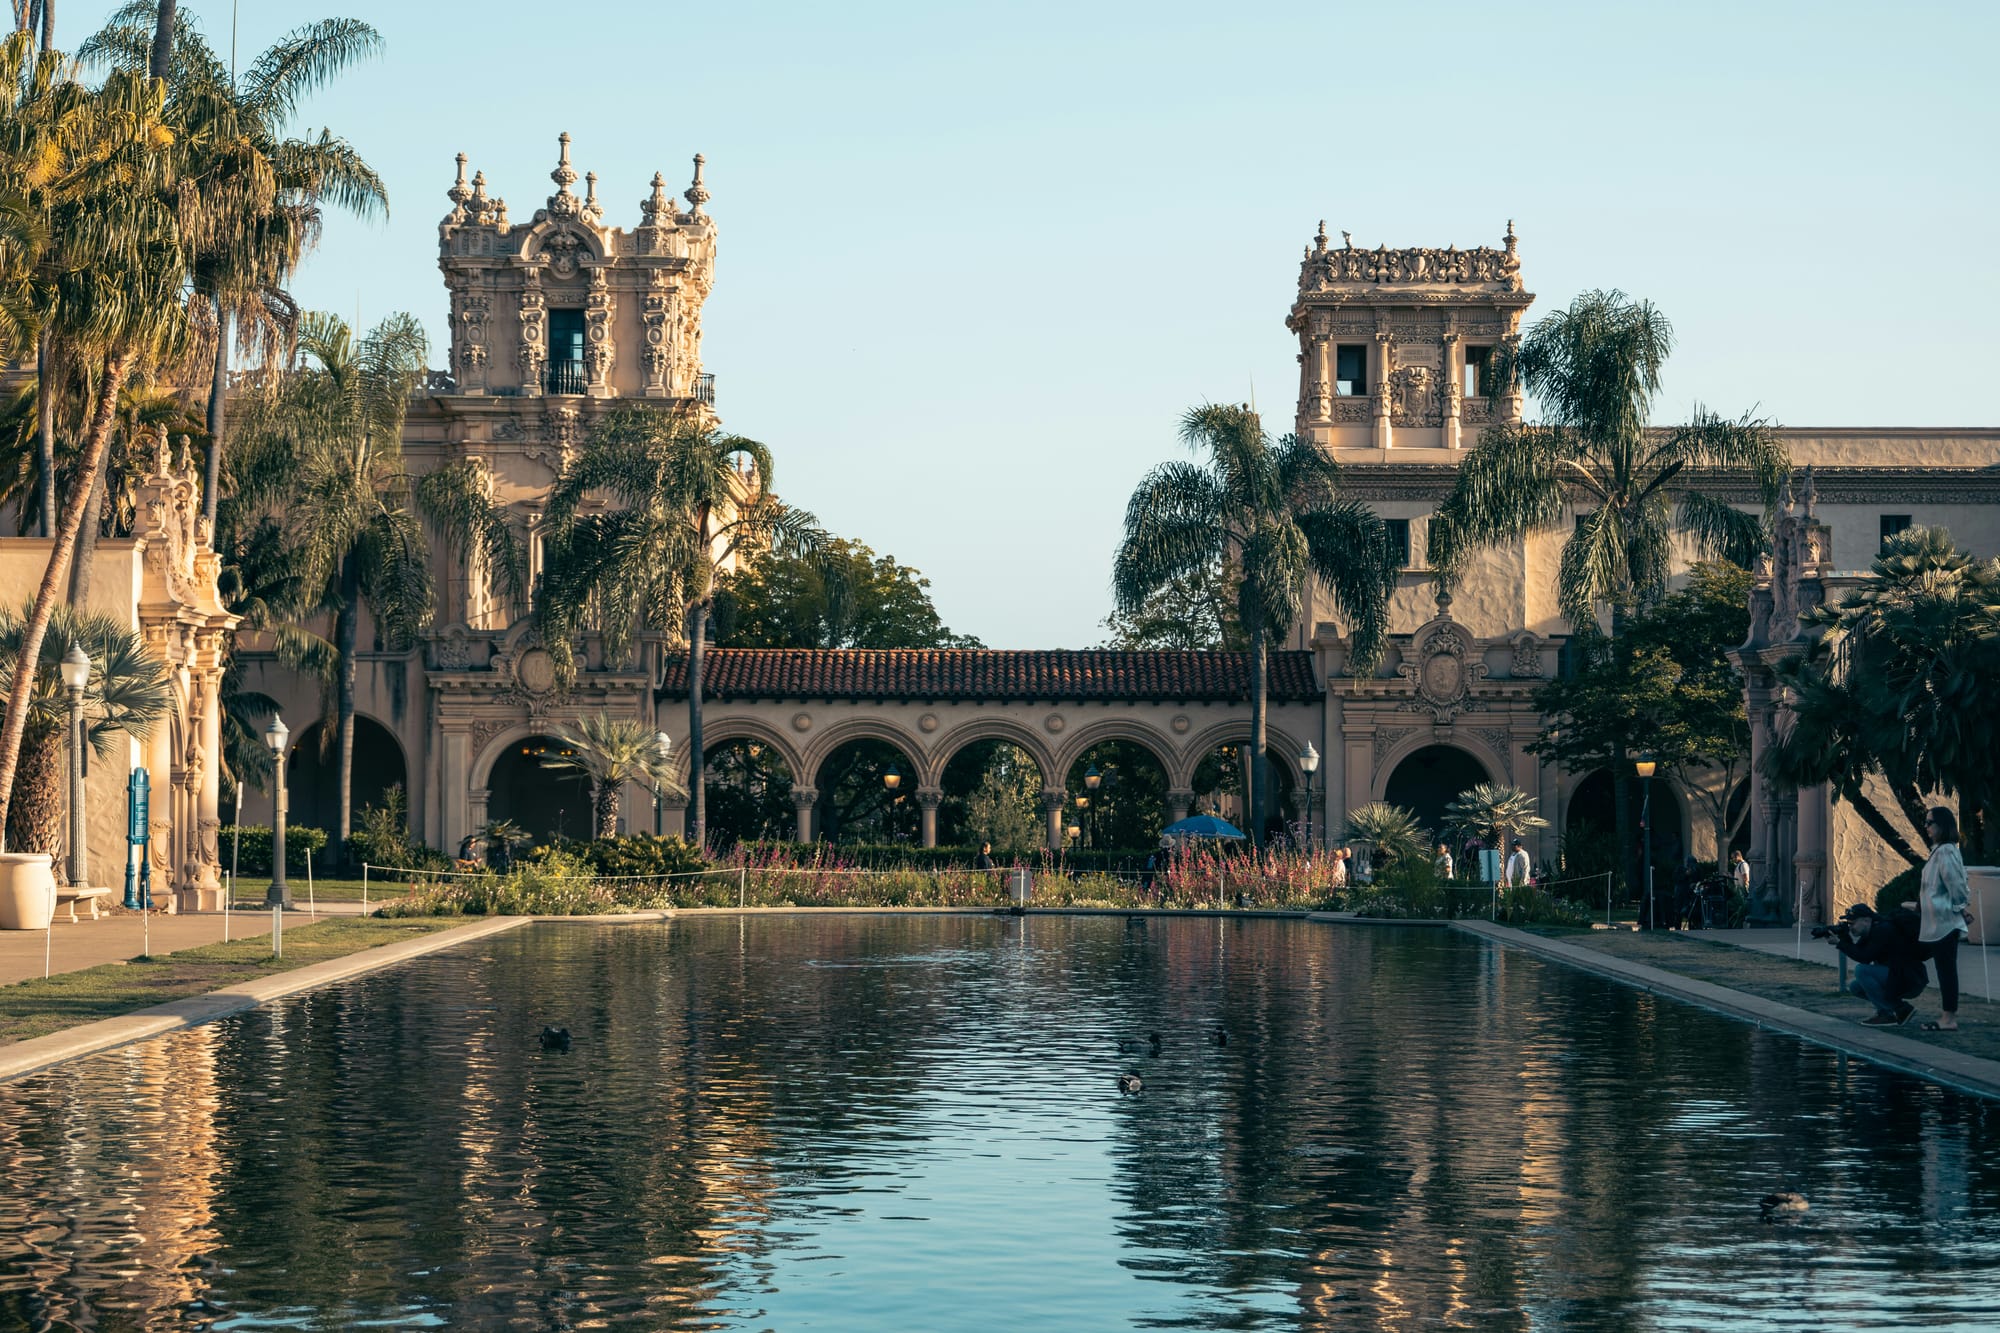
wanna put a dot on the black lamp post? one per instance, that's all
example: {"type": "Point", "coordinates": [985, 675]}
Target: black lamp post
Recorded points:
{"type": "Point", "coordinates": [663, 745]}
{"type": "Point", "coordinates": [75, 673]}
{"type": "Point", "coordinates": [279, 894]}
{"type": "Point", "coordinates": [1644, 766]}
{"type": "Point", "coordinates": [1309, 765]}
{"type": "Point", "coordinates": [1092, 780]}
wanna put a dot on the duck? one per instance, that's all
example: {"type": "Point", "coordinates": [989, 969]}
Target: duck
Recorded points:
{"type": "Point", "coordinates": [1219, 1037]}
{"type": "Point", "coordinates": [1784, 1202]}
{"type": "Point", "coordinates": [1132, 1045]}
{"type": "Point", "coordinates": [555, 1039]}
{"type": "Point", "coordinates": [1130, 1085]}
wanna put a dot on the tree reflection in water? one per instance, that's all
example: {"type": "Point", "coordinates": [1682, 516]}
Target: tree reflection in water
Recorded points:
{"type": "Point", "coordinates": [859, 1121]}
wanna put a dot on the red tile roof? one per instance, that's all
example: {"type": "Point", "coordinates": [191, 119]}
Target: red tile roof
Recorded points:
{"type": "Point", "coordinates": [980, 673]}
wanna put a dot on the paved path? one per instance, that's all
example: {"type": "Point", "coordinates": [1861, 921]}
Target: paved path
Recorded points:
{"type": "Point", "coordinates": [1975, 965]}
{"type": "Point", "coordinates": [121, 935]}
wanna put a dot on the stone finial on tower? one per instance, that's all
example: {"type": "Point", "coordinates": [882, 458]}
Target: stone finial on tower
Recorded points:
{"type": "Point", "coordinates": [591, 207]}
{"type": "Point", "coordinates": [562, 203]}
{"type": "Point", "coordinates": [459, 192]}
{"type": "Point", "coordinates": [697, 194]}
{"type": "Point", "coordinates": [1319, 241]}
{"type": "Point", "coordinates": [657, 211]}
{"type": "Point", "coordinates": [1510, 235]}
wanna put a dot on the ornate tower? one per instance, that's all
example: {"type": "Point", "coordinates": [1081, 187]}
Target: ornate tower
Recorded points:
{"type": "Point", "coordinates": [568, 306]}
{"type": "Point", "coordinates": [1393, 344]}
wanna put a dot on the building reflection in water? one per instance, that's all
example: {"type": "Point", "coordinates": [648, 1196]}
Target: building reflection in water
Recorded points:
{"type": "Point", "coordinates": [829, 1119]}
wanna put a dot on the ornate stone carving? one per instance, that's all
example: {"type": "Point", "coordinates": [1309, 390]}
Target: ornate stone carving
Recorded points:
{"type": "Point", "coordinates": [1526, 664]}
{"type": "Point", "coordinates": [565, 252]}
{"type": "Point", "coordinates": [1324, 268]}
{"type": "Point", "coordinates": [534, 347]}
{"type": "Point", "coordinates": [928, 722]}
{"type": "Point", "coordinates": [1054, 722]}
{"type": "Point", "coordinates": [481, 735]}
{"type": "Point", "coordinates": [802, 722]}
{"type": "Point", "coordinates": [597, 344]}
{"type": "Point", "coordinates": [506, 429]}
{"type": "Point", "coordinates": [562, 426]}
{"type": "Point", "coordinates": [1442, 671]}
{"type": "Point", "coordinates": [1413, 397]}
{"type": "Point", "coordinates": [1180, 724]}
{"type": "Point", "coordinates": [453, 649]}
{"type": "Point", "coordinates": [1386, 739]}
{"type": "Point", "coordinates": [1501, 744]}
{"type": "Point", "coordinates": [1349, 410]}
{"type": "Point", "coordinates": [1476, 411]}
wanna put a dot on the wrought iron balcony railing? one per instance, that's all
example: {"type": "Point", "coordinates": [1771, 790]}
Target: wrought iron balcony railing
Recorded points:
{"type": "Point", "coordinates": [566, 377]}
{"type": "Point", "coordinates": [704, 389]}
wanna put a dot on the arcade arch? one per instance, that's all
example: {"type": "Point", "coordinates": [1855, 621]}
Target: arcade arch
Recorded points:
{"type": "Point", "coordinates": [1430, 778]}
{"type": "Point", "coordinates": [549, 803]}
{"type": "Point", "coordinates": [312, 774]}
{"type": "Point", "coordinates": [1128, 805]}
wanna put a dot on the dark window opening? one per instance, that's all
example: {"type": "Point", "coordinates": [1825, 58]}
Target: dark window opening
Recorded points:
{"type": "Point", "coordinates": [1478, 361]}
{"type": "Point", "coordinates": [1350, 370]}
{"type": "Point", "coordinates": [1399, 540]}
{"type": "Point", "coordinates": [1893, 524]}
{"type": "Point", "coordinates": [565, 351]}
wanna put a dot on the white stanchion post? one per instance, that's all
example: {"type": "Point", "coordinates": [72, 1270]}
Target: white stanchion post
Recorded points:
{"type": "Point", "coordinates": [49, 931]}
{"type": "Point", "coordinates": [277, 932]}
{"type": "Point", "coordinates": [312, 900]}
{"type": "Point", "coordinates": [364, 888]}
{"type": "Point", "coordinates": [742, 885]}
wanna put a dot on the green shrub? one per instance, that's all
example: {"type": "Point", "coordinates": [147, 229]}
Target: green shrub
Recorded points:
{"type": "Point", "coordinates": [1405, 889]}
{"type": "Point", "coordinates": [1531, 905]}
{"type": "Point", "coordinates": [640, 854]}
{"type": "Point", "coordinates": [253, 856]}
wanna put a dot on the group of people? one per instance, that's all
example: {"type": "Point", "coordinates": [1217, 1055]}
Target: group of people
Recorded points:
{"type": "Point", "coordinates": [1890, 948]}
{"type": "Point", "coordinates": [1517, 870]}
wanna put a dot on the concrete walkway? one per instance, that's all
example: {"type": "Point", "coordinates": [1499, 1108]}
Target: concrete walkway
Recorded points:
{"type": "Point", "coordinates": [1975, 965]}
{"type": "Point", "coordinates": [121, 936]}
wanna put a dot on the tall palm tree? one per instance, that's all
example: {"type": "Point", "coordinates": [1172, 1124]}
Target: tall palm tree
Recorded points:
{"type": "Point", "coordinates": [689, 502]}
{"type": "Point", "coordinates": [1273, 513]}
{"type": "Point", "coordinates": [1497, 810]}
{"type": "Point", "coordinates": [249, 199]}
{"type": "Point", "coordinates": [105, 283]}
{"type": "Point", "coordinates": [1594, 369]}
{"type": "Point", "coordinates": [1902, 684]}
{"type": "Point", "coordinates": [127, 692]}
{"type": "Point", "coordinates": [322, 446]}
{"type": "Point", "coordinates": [612, 751]}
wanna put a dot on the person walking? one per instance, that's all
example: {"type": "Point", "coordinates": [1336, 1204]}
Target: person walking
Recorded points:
{"type": "Point", "coordinates": [1443, 861]}
{"type": "Point", "coordinates": [1739, 872]}
{"type": "Point", "coordinates": [1519, 871]}
{"type": "Point", "coordinates": [1944, 909]}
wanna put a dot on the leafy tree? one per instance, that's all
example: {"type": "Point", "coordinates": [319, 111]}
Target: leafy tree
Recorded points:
{"type": "Point", "coordinates": [845, 596]}
{"type": "Point", "coordinates": [1191, 613]}
{"type": "Point", "coordinates": [1674, 685]}
{"type": "Point", "coordinates": [1002, 810]}
{"type": "Point", "coordinates": [1902, 684]}
{"type": "Point", "coordinates": [612, 751]}
{"type": "Point", "coordinates": [683, 511]}
{"type": "Point", "coordinates": [749, 794]}
{"type": "Point", "coordinates": [1593, 467]}
{"type": "Point", "coordinates": [126, 694]}
{"type": "Point", "coordinates": [1275, 511]}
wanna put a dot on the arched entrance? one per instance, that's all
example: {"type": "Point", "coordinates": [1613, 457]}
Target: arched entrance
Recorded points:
{"type": "Point", "coordinates": [867, 793]}
{"type": "Point", "coordinates": [992, 793]}
{"type": "Point", "coordinates": [548, 802]}
{"type": "Point", "coordinates": [1590, 825]}
{"type": "Point", "coordinates": [749, 791]}
{"type": "Point", "coordinates": [312, 775]}
{"type": "Point", "coordinates": [1431, 779]}
{"type": "Point", "coordinates": [1219, 787]}
{"type": "Point", "coordinates": [1127, 807]}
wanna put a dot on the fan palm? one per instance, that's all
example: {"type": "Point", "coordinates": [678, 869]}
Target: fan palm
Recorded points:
{"type": "Point", "coordinates": [322, 445]}
{"type": "Point", "coordinates": [612, 751]}
{"type": "Point", "coordinates": [1495, 809]}
{"type": "Point", "coordinates": [1902, 684]}
{"type": "Point", "coordinates": [689, 502]}
{"type": "Point", "coordinates": [1272, 513]}
{"type": "Point", "coordinates": [1390, 829]}
{"type": "Point", "coordinates": [127, 692]}
{"type": "Point", "coordinates": [249, 200]}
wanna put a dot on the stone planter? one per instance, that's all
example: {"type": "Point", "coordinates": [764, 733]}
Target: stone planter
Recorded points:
{"type": "Point", "coordinates": [27, 891]}
{"type": "Point", "coordinates": [1982, 884]}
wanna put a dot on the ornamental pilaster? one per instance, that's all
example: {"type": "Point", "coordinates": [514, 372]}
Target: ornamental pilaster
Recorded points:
{"type": "Point", "coordinates": [1385, 398]}
{"type": "Point", "coordinates": [657, 353]}
{"type": "Point", "coordinates": [598, 348]}
{"type": "Point", "coordinates": [1053, 803]}
{"type": "Point", "coordinates": [803, 801]}
{"type": "Point", "coordinates": [1453, 388]}
{"type": "Point", "coordinates": [534, 347]}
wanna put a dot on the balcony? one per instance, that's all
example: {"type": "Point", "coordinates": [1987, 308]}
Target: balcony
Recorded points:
{"type": "Point", "coordinates": [564, 377]}
{"type": "Point", "coordinates": [704, 390]}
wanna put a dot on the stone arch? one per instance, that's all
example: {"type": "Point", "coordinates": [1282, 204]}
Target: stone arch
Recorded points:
{"type": "Point", "coordinates": [1018, 734]}
{"type": "Point", "coordinates": [725, 729]}
{"type": "Point", "coordinates": [559, 807]}
{"type": "Point", "coordinates": [1153, 741]}
{"type": "Point", "coordinates": [1490, 759]}
{"type": "Point", "coordinates": [848, 800]}
{"type": "Point", "coordinates": [820, 745]}
{"type": "Point", "coordinates": [1280, 744]}
{"type": "Point", "coordinates": [1459, 764]}
{"type": "Point", "coordinates": [312, 776]}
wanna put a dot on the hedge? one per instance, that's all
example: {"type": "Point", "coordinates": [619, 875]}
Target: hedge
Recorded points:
{"type": "Point", "coordinates": [253, 857]}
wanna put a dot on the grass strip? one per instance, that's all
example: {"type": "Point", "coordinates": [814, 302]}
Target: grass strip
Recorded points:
{"type": "Point", "coordinates": [41, 1006]}
{"type": "Point", "coordinates": [1809, 986]}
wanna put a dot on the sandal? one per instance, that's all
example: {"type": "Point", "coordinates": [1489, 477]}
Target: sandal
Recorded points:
{"type": "Point", "coordinates": [1933, 1027]}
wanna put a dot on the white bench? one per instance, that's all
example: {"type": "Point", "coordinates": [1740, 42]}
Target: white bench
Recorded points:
{"type": "Point", "coordinates": [88, 897]}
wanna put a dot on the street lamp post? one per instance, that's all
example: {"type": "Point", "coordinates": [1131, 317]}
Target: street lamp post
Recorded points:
{"type": "Point", "coordinates": [1092, 780]}
{"type": "Point", "coordinates": [663, 744]}
{"type": "Point", "coordinates": [1309, 765]}
{"type": "Point", "coordinates": [275, 736]}
{"type": "Point", "coordinates": [75, 671]}
{"type": "Point", "coordinates": [1644, 766]}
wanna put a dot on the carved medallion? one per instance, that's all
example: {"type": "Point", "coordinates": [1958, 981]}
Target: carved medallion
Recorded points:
{"type": "Point", "coordinates": [1442, 671]}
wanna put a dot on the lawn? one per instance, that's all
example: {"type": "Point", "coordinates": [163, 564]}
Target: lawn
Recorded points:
{"type": "Point", "coordinates": [250, 890]}
{"type": "Point", "coordinates": [1810, 986]}
{"type": "Point", "coordinates": [36, 1008]}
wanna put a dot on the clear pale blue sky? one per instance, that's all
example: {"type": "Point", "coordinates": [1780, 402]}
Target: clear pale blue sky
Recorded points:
{"type": "Point", "coordinates": [976, 260]}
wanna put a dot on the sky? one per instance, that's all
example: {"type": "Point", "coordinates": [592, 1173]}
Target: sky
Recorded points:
{"type": "Point", "coordinates": [976, 261]}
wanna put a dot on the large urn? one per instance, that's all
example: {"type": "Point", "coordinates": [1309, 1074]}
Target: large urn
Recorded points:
{"type": "Point", "coordinates": [27, 891]}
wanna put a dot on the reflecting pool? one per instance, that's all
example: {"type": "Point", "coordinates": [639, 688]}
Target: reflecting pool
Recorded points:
{"type": "Point", "coordinates": [912, 1123]}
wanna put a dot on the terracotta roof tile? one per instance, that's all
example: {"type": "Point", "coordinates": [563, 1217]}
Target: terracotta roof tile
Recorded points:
{"type": "Point", "coordinates": [979, 673]}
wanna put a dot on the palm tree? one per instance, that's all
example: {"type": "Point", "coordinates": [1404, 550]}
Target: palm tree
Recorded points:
{"type": "Point", "coordinates": [1390, 829]}
{"type": "Point", "coordinates": [612, 751]}
{"type": "Point", "coordinates": [249, 200]}
{"type": "Point", "coordinates": [1902, 685]}
{"type": "Point", "coordinates": [127, 692]}
{"type": "Point", "coordinates": [1595, 370]}
{"type": "Point", "coordinates": [322, 447]}
{"type": "Point", "coordinates": [689, 502]}
{"type": "Point", "coordinates": [1272, 512]}
{"type": "Point", "coordinates": [1495, 809]}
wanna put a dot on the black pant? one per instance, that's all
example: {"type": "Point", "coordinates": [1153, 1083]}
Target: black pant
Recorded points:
{"type": "Point", "coordinates": [1944, 954]}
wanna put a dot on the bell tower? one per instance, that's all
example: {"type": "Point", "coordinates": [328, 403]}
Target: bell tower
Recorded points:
{"type": "Point", "coordinates": [567, 305]}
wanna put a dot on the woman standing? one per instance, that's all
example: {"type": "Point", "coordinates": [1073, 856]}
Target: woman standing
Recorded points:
{"type": "Point", "coordinates": [1942, 904]}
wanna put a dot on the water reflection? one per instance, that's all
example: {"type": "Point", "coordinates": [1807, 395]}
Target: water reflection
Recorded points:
{"type": "Point", "coordinates": [881, 1122]}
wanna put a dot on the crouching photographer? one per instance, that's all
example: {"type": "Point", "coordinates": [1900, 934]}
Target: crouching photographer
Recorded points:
{"type": "Point", "coordinates": [1889, 970]}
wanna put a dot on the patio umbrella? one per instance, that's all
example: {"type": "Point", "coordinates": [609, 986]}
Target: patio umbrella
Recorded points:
{"type": "Point", "coordinates": [1203, 826]}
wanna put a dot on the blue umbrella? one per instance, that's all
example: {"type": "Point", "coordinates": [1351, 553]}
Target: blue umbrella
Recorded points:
{"type": "Point", "coordinates": [1203, 826]}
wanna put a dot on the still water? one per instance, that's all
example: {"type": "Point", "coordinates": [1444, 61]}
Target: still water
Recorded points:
{"type": "Point", "coordinates": [898, 1123]}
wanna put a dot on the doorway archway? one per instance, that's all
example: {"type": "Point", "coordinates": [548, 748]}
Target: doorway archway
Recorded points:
{"type": "Point", "coordinates": [549, 803]}
{"type": "Point", "coordinates": [1432, 778]}
{"type": "Point", "coordinates": [312, 775]}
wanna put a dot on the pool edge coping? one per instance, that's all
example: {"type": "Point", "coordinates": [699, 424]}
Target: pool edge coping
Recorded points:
{"type": "Point", "coordinates": [37, 1054]}
{"type": "Point", "coordinates": [1971, 1074]}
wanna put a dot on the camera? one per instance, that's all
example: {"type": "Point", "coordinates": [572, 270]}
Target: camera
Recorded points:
{"type": "Point", "coordinates": [1839, 930]}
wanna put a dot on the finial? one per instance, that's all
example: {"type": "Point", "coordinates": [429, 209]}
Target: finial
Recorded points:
{"type": "Point", "coordinates": [658, 210]}
{"type": "Point", "coordinates": [564, 175]}
{"type": "Point", "coordinates": [478, 195]}
{"type": "Point", "coordinates": [459, 192]}
{"type": "Point", "coordinates": [697, 194]}
{"type": "Point", "coordinates": [1443, 600]}
{"type": "Point", "coordinates": [1510, 233]}
{"type": "Point", "coordinates": [590, 204]}
{"type": "Point", "coordinates": [1320, 240]}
